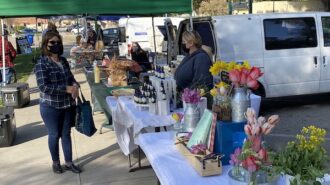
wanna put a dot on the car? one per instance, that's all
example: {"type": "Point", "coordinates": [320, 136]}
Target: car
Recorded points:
{"type": "Point", "coordinates": [70, 27]}
{"type": "Point", "coordinates": [75, 30]}
{"type": "Point", "coordinates": [28, 30]}
{"type": "Point", "coordinates": [111, 36]}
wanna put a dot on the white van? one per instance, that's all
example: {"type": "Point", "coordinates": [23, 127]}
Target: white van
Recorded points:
{"type": "Point", "coordinates": [139, 29]}
{"type": "Point", "coordinates": [293, 49]}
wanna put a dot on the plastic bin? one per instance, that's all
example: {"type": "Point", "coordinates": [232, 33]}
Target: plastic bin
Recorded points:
{"type": "Point", "coordinates": [228, 137]}
{"type": "Point", "coordinates": [16, 94]}
{"type": "Point", "coordinates": [7, 126]}
{"type": "Point", "coordinates": [30, 39]}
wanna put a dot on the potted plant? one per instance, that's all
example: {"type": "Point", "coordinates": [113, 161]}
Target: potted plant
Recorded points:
{"type": "Point", "coordinates": [303, 160]}
{"type": "Point", "coordinates": [191, 98]}
{"type": "Point", "coordinates": [252, 164]}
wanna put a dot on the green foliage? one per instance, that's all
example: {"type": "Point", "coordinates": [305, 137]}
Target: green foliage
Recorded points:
{"type": "Point", "coordinates": [24, 65]}
{"type": "Point", "coordinates": [197, 4]}
{"type": "Point", "coordinates": [17, 28]}
{"type": "Point", "coordinates": [304, 159]}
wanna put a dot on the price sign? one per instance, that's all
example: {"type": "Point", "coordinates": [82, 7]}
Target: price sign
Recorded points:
{"type": "Point", "coordinates": [224, 76]}
{"type": "Point", "coordinates": [23, 46]}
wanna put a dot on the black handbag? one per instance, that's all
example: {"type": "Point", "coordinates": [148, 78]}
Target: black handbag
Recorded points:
{"type": "Point", "coordinates": [84, 117]}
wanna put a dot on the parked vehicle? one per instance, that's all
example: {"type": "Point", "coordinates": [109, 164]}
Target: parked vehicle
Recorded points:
{"type": "Point", "coordinates": [28, 30]}
{"type": "Point", "coordinates": [70, 27]}
{"type": "Point", "coordinates": [75, 30]}
{"type": "Point", "coordinates": [140, 30]}
{"type": "Point", "coordinates": [111, 36]}
{"type": "Point", "coordinates": [292, 49]}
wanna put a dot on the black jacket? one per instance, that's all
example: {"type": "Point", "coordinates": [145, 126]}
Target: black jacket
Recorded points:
{"type": "Point", "coordinates": [142, 59]}
{"type": "Point", "coordinates": [193, 71]}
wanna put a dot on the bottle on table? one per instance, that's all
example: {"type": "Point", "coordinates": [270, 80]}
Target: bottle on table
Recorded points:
{"type": "Point", "coordinates": [162, 73]}
{"type": "Point", "coordinates": [163, 95]}
{"type": "Point", "coordinates": [97, 74]}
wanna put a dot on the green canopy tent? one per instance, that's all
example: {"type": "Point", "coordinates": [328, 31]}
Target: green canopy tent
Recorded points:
{"type": "Point", "coordinates": [20, 8]}
{"type": "Point", "coordinates": [25, 8]}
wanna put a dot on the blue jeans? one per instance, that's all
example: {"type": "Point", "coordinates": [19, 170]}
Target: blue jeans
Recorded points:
{"type": "Point", "coordinates": [9, 73]}
{"type": "Point", "coordinates": [58, 124]}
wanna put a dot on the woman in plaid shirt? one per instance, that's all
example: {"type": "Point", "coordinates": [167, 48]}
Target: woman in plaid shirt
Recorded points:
{"type": "Point", "coordinates": [58, 91]}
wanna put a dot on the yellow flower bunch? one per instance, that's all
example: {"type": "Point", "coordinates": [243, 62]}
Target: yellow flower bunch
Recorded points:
{"type": "Point", "coordinates": [214, 92]}
{"type": "Point", "coordinates": [305, 158]}
{"type": "Point", "coordinates": [246, 64]}
{"type": "Point", "coordinates": [217, 67]}
{"type": "Point", "coordinates": [232, 65]}
{"type": "Point", "coordinates": [222, 84]}
{"type": "Point", "coordinates": [310, 137]}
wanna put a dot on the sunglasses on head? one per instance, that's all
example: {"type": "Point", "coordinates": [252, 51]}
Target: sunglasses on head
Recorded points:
{"type": "Point", "coordinates": [53, 42]}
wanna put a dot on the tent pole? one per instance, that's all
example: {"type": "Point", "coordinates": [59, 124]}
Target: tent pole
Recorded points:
{"type": "Point", "coordinates": [154, 35]}
{"type": "Point", "coordinates": [78, 25]}
{"type": "Point", "coordinates": [191, 23]}
{"type": "Point", "coordinates": [37, 39]}
{"type": "Point", "coordinates": [3, 53]}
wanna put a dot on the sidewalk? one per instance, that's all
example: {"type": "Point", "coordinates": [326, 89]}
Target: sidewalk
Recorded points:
{"type": "Point", "coordinates": [28, 161]}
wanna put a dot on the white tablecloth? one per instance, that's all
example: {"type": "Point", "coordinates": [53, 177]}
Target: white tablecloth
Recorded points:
{"type": "Point", "coordinates": [170, 166]}
{"type": "Point", "coordinates": [128, 121]}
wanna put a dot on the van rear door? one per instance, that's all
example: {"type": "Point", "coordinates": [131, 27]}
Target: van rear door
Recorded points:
{"type": "Point", "coordinates": [171, 32]}
{"type": "Point", "coordinates": [122, 45]}
{"type": "Point", "coordinates": [324, 25]}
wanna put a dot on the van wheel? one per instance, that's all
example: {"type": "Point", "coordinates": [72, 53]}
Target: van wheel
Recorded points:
{"type": "Point", "coordinates": [260, 91]}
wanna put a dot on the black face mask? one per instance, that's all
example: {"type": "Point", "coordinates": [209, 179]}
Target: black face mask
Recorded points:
{"type": "Point", "coordinates": [56, 49]}
{"type": "Point", "coordinates": [184, 48]}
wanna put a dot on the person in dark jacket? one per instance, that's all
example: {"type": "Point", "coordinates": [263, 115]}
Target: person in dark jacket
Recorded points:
{"type": "Point", "coordinates": [92, 37]}
{"type": "Point", "coordinates": [140, 56]}
{"type": "Point", "coordinates": [58, 91]}
{"type": "Point", "coordinates": [193, 71]}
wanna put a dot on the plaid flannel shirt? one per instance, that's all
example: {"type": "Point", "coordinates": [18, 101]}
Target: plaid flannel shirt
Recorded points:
{"type": "Point", "coordinates": [52, 81]}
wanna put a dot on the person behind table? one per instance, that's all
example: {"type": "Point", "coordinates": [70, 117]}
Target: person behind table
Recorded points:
{"type": "Point", "coordinates": [91, 37]}
{"type": "Point", "coordinates": [58, 91]}
{"type": "Point", "coordinates": [50, 27]}
{"type": "Point", "coordinates": [84, 45]}
{"type": "Point", "coordinates": [10, 55]}
{"type": "Point", "coordinates": [193, 71]}
{"type": "Point", "coordinates": [76, 47]}
{"type": "Point", "coordinates": [140, 56]}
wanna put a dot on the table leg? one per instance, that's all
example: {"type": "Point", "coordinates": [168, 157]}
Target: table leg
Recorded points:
{"type": "Point", "coordinates": [140, 167]}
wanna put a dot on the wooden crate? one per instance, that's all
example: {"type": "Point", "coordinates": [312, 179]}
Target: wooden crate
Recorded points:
{"type": "Point", "coordinates": [207, 167]}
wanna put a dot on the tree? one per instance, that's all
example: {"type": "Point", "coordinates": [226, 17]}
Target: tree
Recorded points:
{"type": "Point", "coordinates": [213, 7]}
{"type": "Point", "coordinates": [326, 4]}
{"type": "Point", "coordinates": [196, 4]}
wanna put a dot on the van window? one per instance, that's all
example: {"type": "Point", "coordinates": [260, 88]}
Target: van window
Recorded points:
{"type": "Point", "coordinates": [205, 31]}
{"type": "Point", "coordinates": [163, 31]}
{"type": "Point", "coordinates": [326, 30]}
{"type": "Point", "coordinates": [290, 33]}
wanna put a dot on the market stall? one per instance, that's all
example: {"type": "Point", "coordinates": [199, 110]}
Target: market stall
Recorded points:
{"type": "Point", "coordinates": [22, 8]}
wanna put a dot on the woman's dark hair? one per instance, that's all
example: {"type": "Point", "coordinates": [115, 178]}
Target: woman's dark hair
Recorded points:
{"type": "Point", "coordinates": [45, 40]}
{"type": "Point", "coordinates": [139, 50]}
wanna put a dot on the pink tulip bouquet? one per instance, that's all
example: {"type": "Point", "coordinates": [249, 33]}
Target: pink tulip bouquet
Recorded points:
{"type": "Point", "coordinates": [245, 77]}
{"type": "Point", "coordinates": [253, 156]}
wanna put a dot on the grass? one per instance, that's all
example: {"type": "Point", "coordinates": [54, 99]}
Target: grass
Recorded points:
{"type": "Point", "coordinates": [24, 65]}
